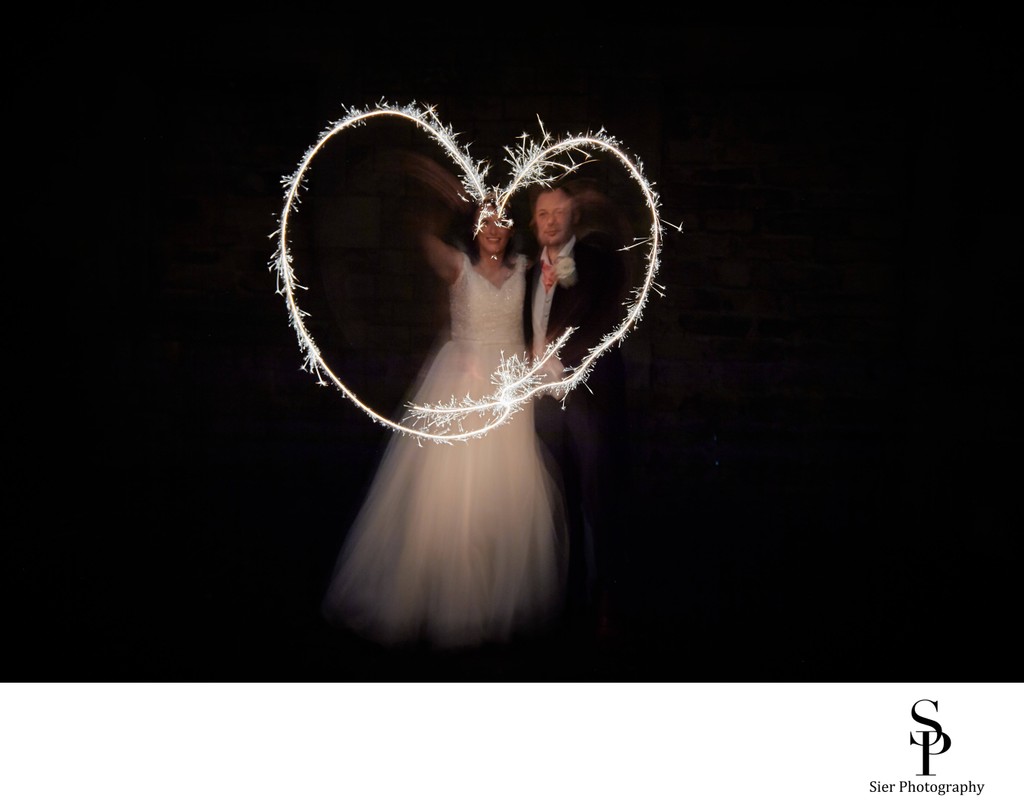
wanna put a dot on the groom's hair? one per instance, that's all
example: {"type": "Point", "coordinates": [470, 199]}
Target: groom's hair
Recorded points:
{"type": "Point", "coordinates": [567, 187]}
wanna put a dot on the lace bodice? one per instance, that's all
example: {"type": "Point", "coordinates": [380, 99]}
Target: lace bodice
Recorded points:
{"type": "Point", "coordinates": [482, 312]}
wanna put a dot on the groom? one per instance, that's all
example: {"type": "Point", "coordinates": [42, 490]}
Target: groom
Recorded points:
{"type": "Point", "coordinates": [578, 284]}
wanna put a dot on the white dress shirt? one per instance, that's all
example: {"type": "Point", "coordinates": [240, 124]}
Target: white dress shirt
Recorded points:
{"type": "Point", "coordinates": [541, 311]}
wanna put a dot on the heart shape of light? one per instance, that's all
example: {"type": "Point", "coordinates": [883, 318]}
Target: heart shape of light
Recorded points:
{"type": "Point", "coordinates": [516, 381]}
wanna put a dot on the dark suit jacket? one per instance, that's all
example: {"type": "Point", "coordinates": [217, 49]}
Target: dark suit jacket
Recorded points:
{"type": "Point", "coordinates": [594, 305]}
{"type": "Point", "coordinates": [587, 438]}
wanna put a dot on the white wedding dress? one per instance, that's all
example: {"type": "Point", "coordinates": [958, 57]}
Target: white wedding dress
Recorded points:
{"type": "Point", "coordinates": [463, 543]}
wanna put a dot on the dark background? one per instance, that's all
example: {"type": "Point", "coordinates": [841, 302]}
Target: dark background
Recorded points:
{"type": "Point", "coordinates": [825, 427]}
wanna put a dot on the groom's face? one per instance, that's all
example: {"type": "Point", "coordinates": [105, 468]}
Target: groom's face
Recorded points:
{"type": "Point", "coordinates": [553, 219]}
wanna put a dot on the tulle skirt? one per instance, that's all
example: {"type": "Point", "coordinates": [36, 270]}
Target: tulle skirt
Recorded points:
{"type": "Point", "coordinates": [455, 544]}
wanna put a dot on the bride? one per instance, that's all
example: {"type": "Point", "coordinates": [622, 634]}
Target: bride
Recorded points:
{"type": "Point", "coordinates": [460, 543]}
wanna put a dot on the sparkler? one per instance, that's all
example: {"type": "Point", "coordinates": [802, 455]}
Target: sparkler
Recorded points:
{"type": "Point", "coordinates": [530, 162]}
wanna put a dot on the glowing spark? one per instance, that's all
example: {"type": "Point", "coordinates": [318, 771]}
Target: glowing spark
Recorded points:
{"type": "Point", "coordinates": [515, 380]}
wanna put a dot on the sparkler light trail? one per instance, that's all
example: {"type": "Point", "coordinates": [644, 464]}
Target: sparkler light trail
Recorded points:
{"type": "Point", "coordinates": [530, 163]}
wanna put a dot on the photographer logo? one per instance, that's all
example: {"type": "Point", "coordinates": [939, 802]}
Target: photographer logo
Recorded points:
{"type": "Point", "coordinates": [930, 738]}
{"type": "Point", "coordinates": [933, 741]}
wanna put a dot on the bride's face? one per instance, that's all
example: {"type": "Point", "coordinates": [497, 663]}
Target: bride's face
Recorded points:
{"type": "Point", "coordinates": [492, 238]}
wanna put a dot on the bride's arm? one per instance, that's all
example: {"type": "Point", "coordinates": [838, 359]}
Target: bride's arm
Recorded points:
{"type": "Point", "coordinates": [443, 258]}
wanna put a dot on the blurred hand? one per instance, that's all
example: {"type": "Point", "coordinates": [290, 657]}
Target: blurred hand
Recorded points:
{"type": "Point", "coordinates": [435, 178]}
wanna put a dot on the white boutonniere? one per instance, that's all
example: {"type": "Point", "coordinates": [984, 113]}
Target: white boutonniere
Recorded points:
{"type": "Point", "coordinates": [565, 271]}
